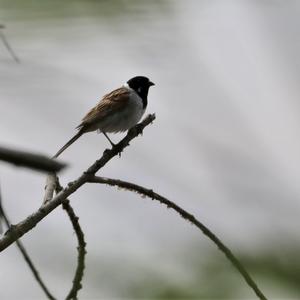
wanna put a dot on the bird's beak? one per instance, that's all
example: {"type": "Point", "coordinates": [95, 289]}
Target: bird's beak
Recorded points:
{"type": "Point", "coordinates": [151, 83]}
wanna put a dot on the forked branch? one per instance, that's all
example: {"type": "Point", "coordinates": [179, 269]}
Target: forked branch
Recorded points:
{"type": "Point", "coordinates": [18, 230]}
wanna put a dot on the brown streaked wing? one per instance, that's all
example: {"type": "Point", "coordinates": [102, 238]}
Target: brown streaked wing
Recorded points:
{"type": "Point", "coordinates": [110, 103]}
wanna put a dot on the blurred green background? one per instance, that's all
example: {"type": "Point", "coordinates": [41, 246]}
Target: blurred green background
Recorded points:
{"type": "Point", "coordinates": [225, 145]}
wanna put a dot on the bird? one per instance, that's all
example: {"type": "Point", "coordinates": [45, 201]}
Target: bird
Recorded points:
{"type": "Point", "coordinates": [117, 111]}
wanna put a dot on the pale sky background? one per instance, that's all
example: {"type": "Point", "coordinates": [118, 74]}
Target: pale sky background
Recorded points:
{"type": "Point", "coordinates": [225, 145]}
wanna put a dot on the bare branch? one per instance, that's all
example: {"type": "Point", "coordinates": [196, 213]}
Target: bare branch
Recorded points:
{"type": "Point", "coordinates": [18, 230]}
{"type": "Point", "coordinates": [7, 45]}
{"type": "Point", "coordinates": [154, 196]}
{"type": "Point", "coordinates": [26, 255]}
{"type": "Point", "coordinates": [30, 160]}
{"type": "Point", "coordinates": [81, 246]}
{"type": "Point", "coordinates": [50, 186]}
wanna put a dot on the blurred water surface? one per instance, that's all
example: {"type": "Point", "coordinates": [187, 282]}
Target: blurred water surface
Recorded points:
{"type": "Point", "coordinates": [225, 144]}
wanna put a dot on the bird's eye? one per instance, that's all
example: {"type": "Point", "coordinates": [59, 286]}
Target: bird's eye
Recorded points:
{"type": "Point", "coordinates": [139, 90]}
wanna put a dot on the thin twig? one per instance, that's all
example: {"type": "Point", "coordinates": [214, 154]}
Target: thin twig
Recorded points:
{"type": "Point", "coordinates": [18, 230]}
{"type": "Point", "coordinates": [7, 45]}
{"type": "Point", "coordinates": [26, 255]}
{"type": "Point", "coordinates": [30, 160]}
{"type": "Point", "coordinates": [81, 246]}
{"type": "Point", "coordinates": [154, 196]}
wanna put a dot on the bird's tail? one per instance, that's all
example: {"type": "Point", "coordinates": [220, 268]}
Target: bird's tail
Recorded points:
{"type": "Point", "coordinates": [69, 143]}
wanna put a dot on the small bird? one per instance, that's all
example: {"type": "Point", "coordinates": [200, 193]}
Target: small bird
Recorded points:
{"type": "Point", "coordinates": [117, 111]}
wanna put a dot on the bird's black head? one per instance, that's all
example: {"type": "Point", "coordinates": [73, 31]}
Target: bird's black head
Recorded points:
{"type": "Point", "coordinates": [141, 85]}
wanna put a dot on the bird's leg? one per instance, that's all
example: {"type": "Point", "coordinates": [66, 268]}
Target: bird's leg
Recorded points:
{"type": "Point", "coordinates": [108, 139]}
